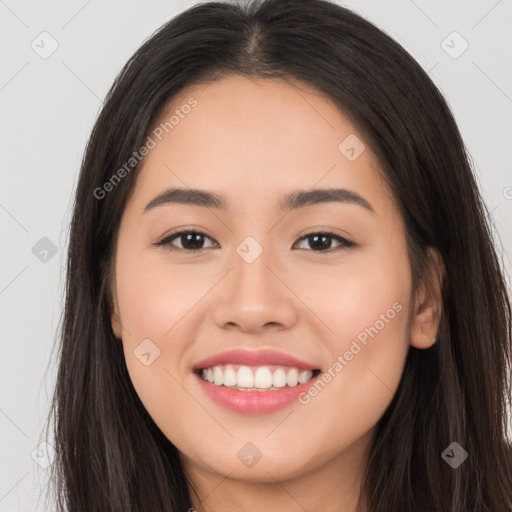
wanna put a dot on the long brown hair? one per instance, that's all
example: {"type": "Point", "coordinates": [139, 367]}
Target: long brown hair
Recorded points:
{"type": "Point", "coordinates": [110, 455]}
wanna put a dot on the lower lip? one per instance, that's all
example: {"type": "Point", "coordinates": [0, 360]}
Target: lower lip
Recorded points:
{"type": "Point", "coordinates": [254, 402]}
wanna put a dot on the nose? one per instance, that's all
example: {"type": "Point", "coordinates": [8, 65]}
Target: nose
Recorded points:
{"type": "Point", "coordinates": [255, 297]}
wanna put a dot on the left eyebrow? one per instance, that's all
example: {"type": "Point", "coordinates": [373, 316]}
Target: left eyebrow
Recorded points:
{"type": "Point", "coordinates": [324, 195]}
{"type": "Point", "coordinates": [292, 201]}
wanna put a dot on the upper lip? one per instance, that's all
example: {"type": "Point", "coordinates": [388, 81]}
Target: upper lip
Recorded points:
{"type": "Point", "coordinates": [253, 358]}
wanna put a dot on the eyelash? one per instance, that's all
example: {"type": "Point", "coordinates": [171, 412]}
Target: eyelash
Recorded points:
{"type": "Point", "coordinates": [344, 243]}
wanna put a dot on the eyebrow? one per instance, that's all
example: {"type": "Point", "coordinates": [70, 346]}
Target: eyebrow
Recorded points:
{"type": "Point", "coordinates": [292, 201]}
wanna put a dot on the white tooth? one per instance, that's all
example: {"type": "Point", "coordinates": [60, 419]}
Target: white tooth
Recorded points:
{"type": "Point", "coordinates": [263, 378]}
{"type": "Point", "coordinates": [205, 374]}
{"type": "Point", "coordinates": [229, 377]}
{"type": "Point", "coordinates": [279, 378]}
{"type": "Point", "coordinates": [211, 378]}
{"type": "Point", "coordinates": [244, 377]}
{"type": "Point", "coordinates": [218, 376]}
{"type": "Point", "coordinates": [304, 376]}
{"type": "Point", "coordinates": [293, 377]}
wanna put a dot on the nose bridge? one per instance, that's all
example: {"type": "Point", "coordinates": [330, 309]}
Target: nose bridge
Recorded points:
{"type": "Point", "coordinates": [251, 261]}
{"type": "Point", "coordinates": [253, 296]}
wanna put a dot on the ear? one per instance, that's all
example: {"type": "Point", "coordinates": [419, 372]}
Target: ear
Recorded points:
{"type": "Point", "coordinates": [114, 316]}
{"type": "Point", "coordinates": [428, 303]}
{"type": "Point", "coordinates": [116, 323]}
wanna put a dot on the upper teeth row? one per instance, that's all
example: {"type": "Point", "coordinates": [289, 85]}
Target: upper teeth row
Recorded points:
{"type": "Point", "coordinates": [258, 377]}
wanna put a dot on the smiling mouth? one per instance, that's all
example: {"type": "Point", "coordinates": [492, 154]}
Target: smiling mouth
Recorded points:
{"type": "Point", "coordinates": [256, 378]}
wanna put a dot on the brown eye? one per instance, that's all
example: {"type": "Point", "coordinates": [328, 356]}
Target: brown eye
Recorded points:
{"type": "Point", "coordinates": [191, 241]}
{"type": "Point", "coordinates": [321, 242]}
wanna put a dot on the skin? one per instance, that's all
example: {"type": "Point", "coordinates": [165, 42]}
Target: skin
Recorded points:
{"type": "Point", "coordinates": [253, 142]}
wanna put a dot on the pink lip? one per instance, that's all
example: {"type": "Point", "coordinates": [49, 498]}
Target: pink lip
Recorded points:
{"type": "Point", "coordinates": [253, 358]}
{"type": "Point", "coordinates": [254, 402]}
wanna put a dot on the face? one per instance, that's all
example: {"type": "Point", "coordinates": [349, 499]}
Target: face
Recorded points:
{"type": "Point", "coordinates": [316, 290]}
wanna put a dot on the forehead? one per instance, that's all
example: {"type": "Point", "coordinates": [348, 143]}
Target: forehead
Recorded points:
{"type": "Point", "coordinates": [243, 113]}
{"type": "Point", "coordinates": [255, 137]}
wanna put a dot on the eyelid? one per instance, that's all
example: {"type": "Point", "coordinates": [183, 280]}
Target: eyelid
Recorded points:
{"type": "Point", "coordinates": [314, 230]}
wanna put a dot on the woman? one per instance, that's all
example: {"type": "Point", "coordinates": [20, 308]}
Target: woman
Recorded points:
{"type": "Point", "coordinates": [282, 292]}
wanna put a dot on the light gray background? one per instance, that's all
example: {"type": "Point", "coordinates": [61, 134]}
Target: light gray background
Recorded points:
{"type": "Point", "coordinates": [48, 107]}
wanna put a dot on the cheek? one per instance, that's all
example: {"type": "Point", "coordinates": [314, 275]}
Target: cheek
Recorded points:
{"type": "Point", "coordinates": [154, 296]}
{"type": "Point", "coordinates": [155, 301]}
{"type": "Point", "coordinates": [365, 296]}
{"type": "Point", "coordinates": [368, 288]}
{"type": "Point", "coordinates": [365, 305]}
